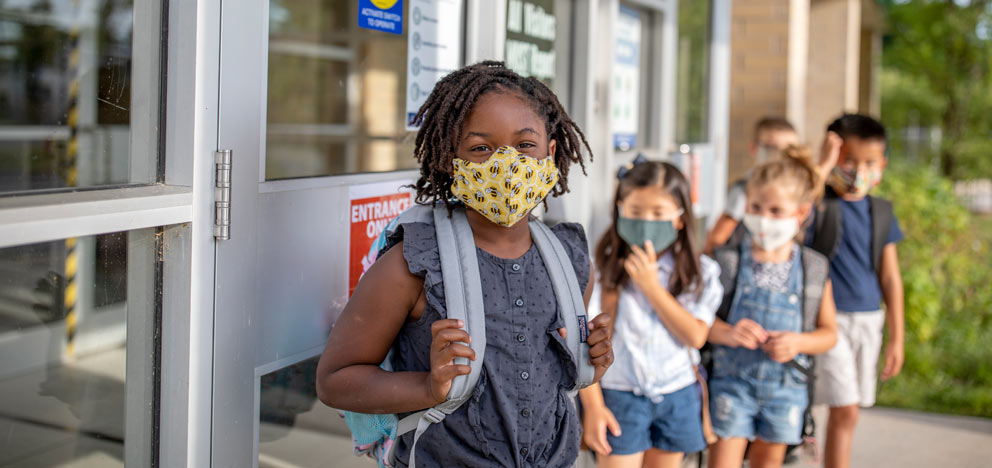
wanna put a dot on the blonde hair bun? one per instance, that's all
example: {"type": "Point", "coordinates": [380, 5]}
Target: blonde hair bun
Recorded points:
{"type": "Point", "coordinates": [795, 167]}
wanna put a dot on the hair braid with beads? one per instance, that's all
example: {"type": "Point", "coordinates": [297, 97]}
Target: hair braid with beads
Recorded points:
{"type": "Point", "coordinates": [442, 117]}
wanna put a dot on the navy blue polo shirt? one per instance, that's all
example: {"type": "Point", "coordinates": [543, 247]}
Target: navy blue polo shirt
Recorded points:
{"type": "Point", "coordinates": [855, 283]}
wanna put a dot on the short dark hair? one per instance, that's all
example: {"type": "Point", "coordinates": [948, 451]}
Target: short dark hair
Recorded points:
{"type": "Point", "coordinates": [772, 124]}
{"type": "Point", "coordinates": [444, 113]}
{"type": "Point", "coordinates": [858, 125]}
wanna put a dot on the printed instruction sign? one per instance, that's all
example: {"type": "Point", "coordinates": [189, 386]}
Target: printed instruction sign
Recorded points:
{"type": "Point", "coordinates": [530, 38]}
{"type": "Point", "coordinates": [381, 15]}
{"type": "Point", "coordinates": [626, 78]}
{"type": "Point", "coordinates": [371, 208]}
{"type": "Point", "coordinates": [434, 49]}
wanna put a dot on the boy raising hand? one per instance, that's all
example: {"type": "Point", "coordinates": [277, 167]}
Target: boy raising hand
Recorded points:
{"type": "Point", "coordinates": [858, 232]}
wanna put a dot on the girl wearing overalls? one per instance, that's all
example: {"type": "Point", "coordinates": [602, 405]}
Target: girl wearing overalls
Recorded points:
{"type": "Point", "coordinates": [757, 390]}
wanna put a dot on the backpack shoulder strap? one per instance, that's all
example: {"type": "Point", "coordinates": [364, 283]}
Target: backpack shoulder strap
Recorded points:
{"type": "Point", "coordinates": [881, 223]}
{"type": "Point", "coordinates": [462, 294]}
{"type": "Point", "coordinates": [463, 301]}
{"type": "Point", "coordinates": [570, 301]}
{"type": "Point", "coordinates": [816, 268]}
{"type": "Point", "coordinates": [827, 224]}
{"type": "Point", "coordinates": [729, 258]}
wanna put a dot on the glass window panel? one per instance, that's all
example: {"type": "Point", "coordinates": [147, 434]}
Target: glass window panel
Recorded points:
{"type": "Point", "coordinates": [295, 429]}
{"type": "Point", "coordinates": [631, 88]}
{"type": "Point", "coordinates": [692, 102]}
{"type": "Point", "coordinates": [66, 97]}
{"type": "Point", "coordinates": [536, 41]}
{"type": "Point", "coordinates": [336, 93]}
{"type": "Point", "coordinates": [63, 335]}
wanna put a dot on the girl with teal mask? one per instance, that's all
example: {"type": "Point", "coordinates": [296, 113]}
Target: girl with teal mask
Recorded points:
{"type": "Point", "coordinates": [663, 295]}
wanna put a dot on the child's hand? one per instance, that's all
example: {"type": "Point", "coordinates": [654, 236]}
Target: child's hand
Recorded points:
{"type": "Point", "coordinates": [446, 345]}
{"type": "Point", "coordinates": [782, 346]}
{"type": "Point", "coordinates": [893, 360]}
{"type": "Point", "coordinates": [596, 419]}
{"type": "Point", "coordinates": [642, 266]}
{"type": "Point", "coordinates": [600, 348]}
{"type": "Point", "coordinates": [748, 334]}
{"type": "Point", "coordinates": [829, 153]}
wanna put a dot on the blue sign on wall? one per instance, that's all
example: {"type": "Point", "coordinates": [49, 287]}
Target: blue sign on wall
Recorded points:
{"type": "Point", "coordinates": [381, 15]}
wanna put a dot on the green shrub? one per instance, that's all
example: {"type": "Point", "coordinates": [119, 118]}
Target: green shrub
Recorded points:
{"type": "Point", "coordinates": [946, 265]}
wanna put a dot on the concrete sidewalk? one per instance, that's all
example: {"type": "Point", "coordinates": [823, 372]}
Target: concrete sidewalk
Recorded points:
{"type": "Point", "coordinates": [888, 437]}
{"type": "Point", "coordinates": [900, 439]}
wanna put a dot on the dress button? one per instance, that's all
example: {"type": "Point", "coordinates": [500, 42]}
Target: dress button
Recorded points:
{"type": "Point", "coordinates": [525, 375]}
{"type": "Point", "coordinates": [524, 451]}
{"type": "Point", "coordinates": [516, 267]}
{"type": "Point", "coordinates": [793, 299]}
{"type": "Point", "coordinates": [521, 338]}
{"type": "Point", "coordinates": [519, 302]}
{"type": "Point", "coordinates": [525, 413]}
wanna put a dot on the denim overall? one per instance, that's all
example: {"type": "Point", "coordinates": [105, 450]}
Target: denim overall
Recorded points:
{"type": "Point", "coordinates": [751, 395]}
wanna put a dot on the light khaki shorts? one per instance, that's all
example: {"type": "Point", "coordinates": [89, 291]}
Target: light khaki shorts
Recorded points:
{"type": "Point", "coordinates": [847, 374]}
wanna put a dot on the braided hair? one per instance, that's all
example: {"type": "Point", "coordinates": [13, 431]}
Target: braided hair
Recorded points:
{"type": "Point", "coordinates": [442, 118]}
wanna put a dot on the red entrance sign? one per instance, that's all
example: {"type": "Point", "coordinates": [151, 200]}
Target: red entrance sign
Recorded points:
{"type": "Point", "coordinates": [369, 216]}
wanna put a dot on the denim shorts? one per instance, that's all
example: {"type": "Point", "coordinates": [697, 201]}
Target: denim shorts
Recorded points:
{"type": "Point", "coordinates": [772, 412]}
{"type": "Point", "coordinates": [674, 424]}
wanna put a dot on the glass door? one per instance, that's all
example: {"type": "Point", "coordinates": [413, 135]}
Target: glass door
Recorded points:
{"type": "Point", "coordinates": [89, 224]}
{"type": "Point", "coordinates": [313, 109]}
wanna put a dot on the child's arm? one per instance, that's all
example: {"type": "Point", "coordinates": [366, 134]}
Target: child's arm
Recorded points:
{"type": "Point", "coordinates": [891, 282]}
{"type": "Point", "coordinates": [721, 231]}
{"type": "Point", "coordinates": [596, 419]}
{"type": "Point", "coordinates": [783, 346]}
{"type": "Point", "coordinates": [348, 374]}
{"type": "Point", "coordinates": [642, 266]}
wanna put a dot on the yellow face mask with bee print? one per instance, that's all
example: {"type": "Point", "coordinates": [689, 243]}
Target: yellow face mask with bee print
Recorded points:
{"type": "Point", "coordinates": [506, 186]}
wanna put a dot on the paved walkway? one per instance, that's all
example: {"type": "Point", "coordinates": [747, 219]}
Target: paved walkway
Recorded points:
{"type": "Point", "coordinates": [50, 417]}
{"type": "Point", "coordinates": [907, 439]}
{"type": "Point", "coordinates": [903, 439]}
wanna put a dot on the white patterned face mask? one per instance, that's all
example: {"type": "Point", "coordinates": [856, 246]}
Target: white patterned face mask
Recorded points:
{"type": "Point", "coordinates": [771, 233]}
{"type": "Point", "coordinates": [506, 186]}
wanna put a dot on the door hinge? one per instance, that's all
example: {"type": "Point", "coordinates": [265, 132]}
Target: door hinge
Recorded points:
{"type": "Point", "coordinates": [222, 195]}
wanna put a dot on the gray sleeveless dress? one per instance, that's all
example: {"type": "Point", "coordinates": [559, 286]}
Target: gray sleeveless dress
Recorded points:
{"type": "Point", "coordinates": [519, 414]}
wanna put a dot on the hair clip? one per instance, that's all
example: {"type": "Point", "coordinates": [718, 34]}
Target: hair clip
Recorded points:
{"type": "Point", "coordinates": [623, 170]}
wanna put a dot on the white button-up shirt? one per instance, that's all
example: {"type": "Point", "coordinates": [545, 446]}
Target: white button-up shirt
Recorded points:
{"type": "Point", "coordinates": [648, 359]}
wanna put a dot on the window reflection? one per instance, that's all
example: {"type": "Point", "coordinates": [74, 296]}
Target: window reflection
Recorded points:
{"type": "Point", "coordinates": [692, 103]}
{"type": "Point", "coordinates": [65, 99]}
{"type": "Point", "coordinates": [297, 430]}
{"type": "Point", "coordinates": [63, 309]}
{"type": "Point", "coordinates": [336, 93]}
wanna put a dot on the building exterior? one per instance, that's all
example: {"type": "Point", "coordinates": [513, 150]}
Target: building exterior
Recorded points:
{"type": "Point", "coordinates": [807, 60]}
{"type": "Point", "coordinates": [188, 189]}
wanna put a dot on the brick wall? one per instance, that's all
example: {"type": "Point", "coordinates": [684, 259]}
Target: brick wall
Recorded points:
{"type": "Point", "coordinates": [759, 66]}
{"type": "Point", "coordinates": [841, 62]}
{"type": "Point", "coordinates": [834, 56]}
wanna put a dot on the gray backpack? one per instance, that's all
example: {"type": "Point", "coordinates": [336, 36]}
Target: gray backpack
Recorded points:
{"type": "Point", "coordinates": [463, 301]}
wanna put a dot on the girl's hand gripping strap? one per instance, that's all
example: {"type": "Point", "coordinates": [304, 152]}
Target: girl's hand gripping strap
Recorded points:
{"type": "Point", "coordinates": [571, 305]}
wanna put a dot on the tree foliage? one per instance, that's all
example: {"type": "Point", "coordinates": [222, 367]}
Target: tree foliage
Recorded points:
{"type": "Point", "coordinates": [944, 262]}
{"type": "Point", "coordinates": [937, 73]}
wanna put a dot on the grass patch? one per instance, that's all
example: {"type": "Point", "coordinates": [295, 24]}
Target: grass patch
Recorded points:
{"type": "Point", "coordinates": [918, 393]}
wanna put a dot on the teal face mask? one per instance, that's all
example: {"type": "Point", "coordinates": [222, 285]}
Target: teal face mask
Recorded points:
{"type": "Point", "coordinates": [638, 231]}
